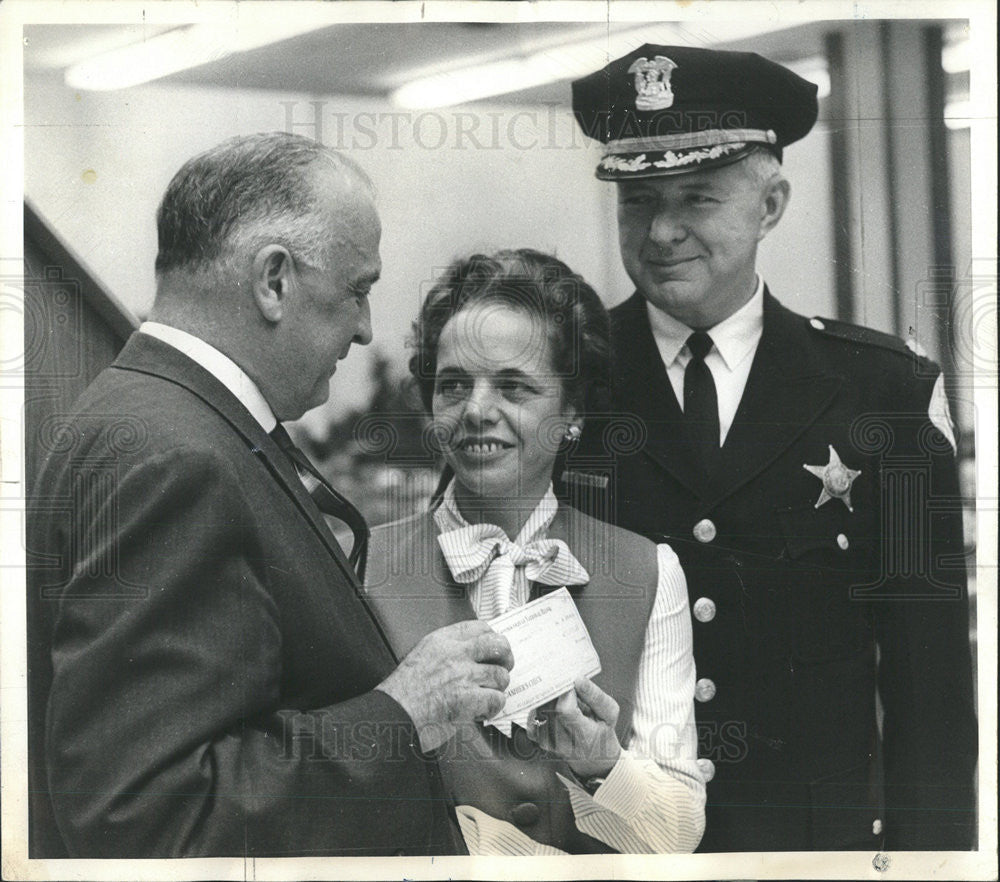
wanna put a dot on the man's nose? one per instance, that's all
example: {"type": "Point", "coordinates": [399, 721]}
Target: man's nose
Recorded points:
{"type": "Point", "coordinates": [667, 227]}
{"type": "Point", "coordinates": [364, 334]}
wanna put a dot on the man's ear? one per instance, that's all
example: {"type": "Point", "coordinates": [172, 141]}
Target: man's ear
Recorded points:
{"type": "Point", "coordinates": [777, 192]}
{"type": "Point", "coordinates": [273, 275]}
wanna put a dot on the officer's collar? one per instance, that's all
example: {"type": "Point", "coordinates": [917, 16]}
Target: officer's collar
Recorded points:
{"type": "Point", "coordinates": [734, 337]}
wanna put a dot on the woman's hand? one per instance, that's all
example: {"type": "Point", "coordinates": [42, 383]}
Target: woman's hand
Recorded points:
{"type": "Point", "coordinates": [579, 726]}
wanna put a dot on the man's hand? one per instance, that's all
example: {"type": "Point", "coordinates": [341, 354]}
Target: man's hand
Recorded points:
{"type": "Point", "coordinates": [454, 674]}
{"type": "Point", "coordinates": [579, 726]}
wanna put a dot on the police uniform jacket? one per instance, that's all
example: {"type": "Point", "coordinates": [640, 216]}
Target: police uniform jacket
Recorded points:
{"type": "Point", "coordinates": [802, 614]}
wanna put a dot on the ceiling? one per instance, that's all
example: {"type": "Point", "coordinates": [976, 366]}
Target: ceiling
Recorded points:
{"type": "Point", "coordinates": [374, 59]}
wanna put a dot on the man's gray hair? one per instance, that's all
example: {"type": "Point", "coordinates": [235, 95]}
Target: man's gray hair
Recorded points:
{"type": "Point", "coordinates": [246, 192]}
{"type": "Point", "coordinates": [761, 165]}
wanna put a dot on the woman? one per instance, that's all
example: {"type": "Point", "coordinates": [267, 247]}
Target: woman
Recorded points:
{"type": "Point", "coordinates": [512, 351]}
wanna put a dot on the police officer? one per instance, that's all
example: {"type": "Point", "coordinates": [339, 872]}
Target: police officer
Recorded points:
{"type": "Point", "coordinates": [803, 469]}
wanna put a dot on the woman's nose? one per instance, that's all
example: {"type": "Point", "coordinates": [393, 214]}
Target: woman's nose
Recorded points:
{"type": "Point", "coordinates": [481, 405]}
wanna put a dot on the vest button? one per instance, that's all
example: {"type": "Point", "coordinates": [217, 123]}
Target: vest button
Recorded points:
{"type": "Point", "coordinates": [704, 689]}
{"type": "Point", "coordinates": [704, 609]}
{"type": "Point", "coordinates": [843, 542]}
{"type": "Point", "coordinates": [526, 814]}
{"type": "Point", "coordinates": [704, 530]}
{"type": "Point", "coordinates": [521, 745]}
{"type": "Point", "coordinates": [707, 768]}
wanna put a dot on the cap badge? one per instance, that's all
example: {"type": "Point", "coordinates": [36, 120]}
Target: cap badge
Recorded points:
{"type": "Point", "coordinates": [837, 479]}
{"type": "Point", "coordinates": [652, 83]}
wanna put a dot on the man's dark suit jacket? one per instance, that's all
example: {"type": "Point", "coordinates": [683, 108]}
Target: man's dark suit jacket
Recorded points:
{"type": "Point", "coordinates": [201, 659]}
{"type": "Point", "coordinates": [814, 607]}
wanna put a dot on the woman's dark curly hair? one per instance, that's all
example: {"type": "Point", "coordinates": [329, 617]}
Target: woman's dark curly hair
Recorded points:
{"type": "Point", "coordinates": [542, 286]}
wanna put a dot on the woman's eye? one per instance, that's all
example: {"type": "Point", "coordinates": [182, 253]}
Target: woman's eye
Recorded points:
{"type": "Point", "coordinates": [449, 386]}
{"type": "Point", "coordinates": [515, 388]}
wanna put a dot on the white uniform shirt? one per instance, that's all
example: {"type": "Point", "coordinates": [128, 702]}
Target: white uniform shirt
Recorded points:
{"type": "Point", "coordinates": [735, 342]}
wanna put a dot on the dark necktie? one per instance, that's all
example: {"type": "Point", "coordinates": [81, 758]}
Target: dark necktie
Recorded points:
{"type": "Point", "coordinates": [701, 404]}
{"type": "Point", "coordinates": [328, 500]}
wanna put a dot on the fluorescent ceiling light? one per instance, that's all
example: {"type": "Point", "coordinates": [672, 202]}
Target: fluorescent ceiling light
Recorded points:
{"type": "Point", "coordinates": [178, 50]}
{"type": "Point", "coordinates": [956, 57]}
{"type": "Point", "coordinates": [816, 71]}
{"type": "Point", "coordinates": [568, 61]}
{"type": "Point", "coordinates": [42, 53]}
{"type": "Point", "coordinates": [958, 114]}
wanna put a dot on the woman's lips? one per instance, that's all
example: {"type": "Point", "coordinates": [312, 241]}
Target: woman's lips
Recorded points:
{"type": "Point", "coordinates": [483, 442]}
{"type": "Point", "coordinates": [482, 447]}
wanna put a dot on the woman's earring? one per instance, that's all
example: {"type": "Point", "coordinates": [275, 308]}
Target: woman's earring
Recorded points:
{"type": "Point", "coordinates": [573, 433]}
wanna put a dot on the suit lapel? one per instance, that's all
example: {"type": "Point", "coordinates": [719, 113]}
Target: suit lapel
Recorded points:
{"type": "Point", "coordinates": [148, 355]}
{"type": "Point", "coordinates": [640, 378]}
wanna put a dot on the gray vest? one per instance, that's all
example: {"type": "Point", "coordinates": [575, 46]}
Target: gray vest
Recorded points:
{"type": "Point", "coordinates": [412, 593]}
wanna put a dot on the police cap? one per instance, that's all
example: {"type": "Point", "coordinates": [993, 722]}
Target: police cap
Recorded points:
{"type": "Point", "coordinates": [666, 110]}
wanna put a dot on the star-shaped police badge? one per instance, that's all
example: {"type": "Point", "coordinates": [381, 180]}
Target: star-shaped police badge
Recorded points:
{"type": "Point", "coordinates": [837, 479]}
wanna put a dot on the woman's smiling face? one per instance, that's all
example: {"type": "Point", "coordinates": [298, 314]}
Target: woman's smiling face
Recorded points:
{"type": "Point", "coordinates": [499, 401]}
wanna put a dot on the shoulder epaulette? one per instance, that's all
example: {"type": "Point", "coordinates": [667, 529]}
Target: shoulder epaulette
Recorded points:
{"type": "Point", "coordinates": [860, 334]}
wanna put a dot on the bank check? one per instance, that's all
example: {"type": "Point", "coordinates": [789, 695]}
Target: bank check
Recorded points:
{"type": "Point", "coordinates": [551, 649]}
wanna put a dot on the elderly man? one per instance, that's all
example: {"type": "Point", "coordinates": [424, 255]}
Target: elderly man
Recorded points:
{"type": "Point", "coordinates": [207, 677]}
{"type": "Point", "coordinates": [803, 470]}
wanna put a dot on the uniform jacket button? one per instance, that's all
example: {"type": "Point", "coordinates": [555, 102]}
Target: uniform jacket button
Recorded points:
{"type": "Point", "coordinates": [526, 814]}
{"type": "Point", "coordinates": [704, 609]}
{"type": "Point", "coordinates": [704, 530]}
{"type": "Point", "coordinates": [707, 768]}
{"type": "Point", "coordinates": [843, 542]}
{"type": "Point", "coordinates": [704, 689]}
